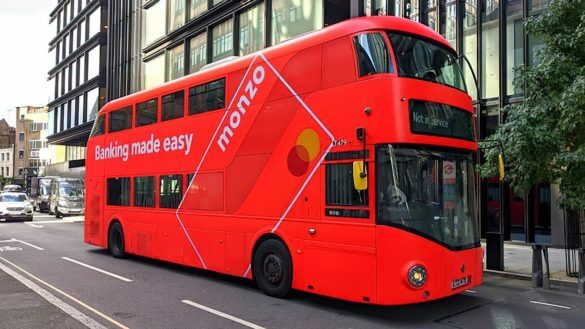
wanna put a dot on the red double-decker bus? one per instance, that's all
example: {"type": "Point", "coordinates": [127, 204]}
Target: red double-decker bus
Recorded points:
{"type": "Point", "coordinates": [337, 163]}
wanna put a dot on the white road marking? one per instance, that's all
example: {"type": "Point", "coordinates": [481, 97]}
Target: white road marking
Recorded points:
{"type": "Point", "coordinates": [97, 269]}
{"type": "Point", "coordinates": [118, 324]}
{"type": "Point", "coordinates": [28, 244]}
{"type": "Point", "coordinates": [33, 225]}
{"type": "Point", "coordinates": [223, 315]}
{"type": "Point", "coordinates": [70, 310]}
{"type": "Point", "coordinates": [471, 291]}
{"type": "Point", "coordinates": [548, 304]}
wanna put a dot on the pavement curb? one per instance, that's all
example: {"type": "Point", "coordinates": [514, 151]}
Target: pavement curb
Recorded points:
{"type": "Point", "coordinates": [527, 277]}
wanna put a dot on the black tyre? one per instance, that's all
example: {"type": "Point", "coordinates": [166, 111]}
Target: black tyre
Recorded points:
{"type": "Point", "coordinates": [273, 268]}
{"type": "Point", "coordinates": [116, 241]}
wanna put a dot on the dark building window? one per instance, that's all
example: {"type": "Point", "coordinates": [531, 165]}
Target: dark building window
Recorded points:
{"type": "Point", "coordinates": [172, 106]}
{"type": "Point", "coordinates": [207, 97]}
{"type": "Point", "coordinates": [146, 112]}
{"type": "Point", "coordinates": [21, 137]}
{"type": "Point", "coordinates": [119, 191]}
{"type": "Point", "coordinates": [339, 186]}
{"type": "Point", "coordinates": [170, 191]}
{"type": "Point", "coordinates": [20, 154]}
{"type": "Point", "coordinates": [144, 190]}
{"type": "Point", "coordinates": [121, 119]}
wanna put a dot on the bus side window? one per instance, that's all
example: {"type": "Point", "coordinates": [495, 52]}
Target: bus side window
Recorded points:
{"type": "Point", "coordinates": [144, 190]}
{"type": "Point", "coordinates": [120, 119]}
{"type": "Point", "coordinates": [339, 188]}
{"type": "Point", "coordinates": [146, 112]}
{"type": "Point", "coordinates": [172, 106]}
{"type": "Point", "coordinates": [118, 191]}
{"type": "Point", "coordinates": [372, 54]}
{"type": "Point", "coordinates": [171, 191]}
{"type": "Point", "coordinates": [99, 126]}
{"type": "Point", "coordinates": [207, 97]}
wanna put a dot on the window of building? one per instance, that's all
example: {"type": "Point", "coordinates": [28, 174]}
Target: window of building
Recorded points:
{"type": "Point", "coordinates": [82, 72]}
{"type": "Point", "coordinates": [154, 71]}
{"type": "Point", "coordinates": [65, 14]}
{"type": "Point", "coordinates": [171, 191]}
{"type": "Point", "coordinates": [120, 119]}
{"type": "Point", "coordinates": [81, 116]}
{"type": "Point", "coordinates": [93, 62]}
{"type": "Point", "coordinates": [99, 126]}
{"type": "Point", "coordinates": [51, 88]}
{"type": "Point", "coordinates": [2, 172]}
{"type": "Point", "coordinates": [118, 191]}
{"type": "Point", "coordinates": [490, 47]}
{"type": "Point", "coordinates": [198, 52]}
{"type": "Point", "coordinates": [94, 24]}
{"type": "Point", "coordinates": [144, 190]}
{"type": "Point", "coordinates": [7, 157]}
{"type": "Point", "coordinates": [66, 116]}
{"type": "Point", "coordinates": [74, 80]}
{"type": "Point", "coordinates": [20, 154]}
{"type": "Point", "coordinates": [198, 7]}
{"type": "Point", "coordinates": [57, 111]}
{"type": "Point", "coordinates": [154, 22]}
{"type": "Point", "coordinates": [58, 84]}
{"type": "Point", "coordinates": [252, 30]}
{"type": "Point", "coordinates": [176, 17]}
{"type": "Point", "coordinates": [82, 34]}
{"type": "Point", "coordinates": [65, 79]}
{"type": "Point", "coordinates": [65, 44]}
{"type": "Point", "coordinates": [175, 62]}
{"type": "Point", "coordinates": [2, 160]}
{"type": "Point", "coordinates": [207, 97]}
{"type": "Point", "coordinates": [413, 10]}
{"type": "Point", "coordinates": [92, 103]}
{"type": "Point", "coordinates": [448, 23]}
{"type": "Point", "coordinates": [339, 189]}
{"type": "Point", "coordinates": [372, 54]}
{"type": "Point", "coordinates": [8, 171]}
{"type": "Point", "coordinates": [146, 112]}
{"type": "Point", "coordinates": [74, 43]}
{"type": "Point", "coordinates": [21, 137]}
{"type": "Point", "coordinates": [293, 17]}
{"type": "Point", "coordinates": [20, 171]}
{"type": "Point", "coordinates": [470, 44]}
{"type": "Point", "coordinates": [222, 45]}
{"type": "Point", "coordinates": [172, 106]}
{"type": "Point", "coordinates": [37, 144]}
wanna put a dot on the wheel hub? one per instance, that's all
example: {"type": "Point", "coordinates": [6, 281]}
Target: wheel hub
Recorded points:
{"type": "Point", "coordinates": [273, 269]}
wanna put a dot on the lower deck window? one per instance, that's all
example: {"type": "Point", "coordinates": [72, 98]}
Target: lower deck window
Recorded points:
{"type": "Point", "coordinates": [144, 190]}
{"type": "Point", "coordinates": [339, 190]}
{"type": "Point", "coordinates": [171, 191]}
{"type": "Point", "coordinates": [118, 191]}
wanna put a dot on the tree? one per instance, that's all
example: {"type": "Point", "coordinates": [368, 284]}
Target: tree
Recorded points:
{"type": "Point", "coordinates": [544, 136]}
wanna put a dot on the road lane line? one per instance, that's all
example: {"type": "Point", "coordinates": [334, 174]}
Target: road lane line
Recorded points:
{"type": "Point", "coordinates": [471, 291]}
{"type": "Point", "coordinates": [97, 269]}
{"type": "Point", "coordinates": [548, 304]}
{"type": "Point", "coordinates": [105, 317]}
{"type": "Point", "coordinates": [28, 244]}
{"type": "Point", "coordinates": [223, 315]}
{"type": "Point", "coordinates": [33, 225]}
{"type": "Point", "coordinates": [70, 310]}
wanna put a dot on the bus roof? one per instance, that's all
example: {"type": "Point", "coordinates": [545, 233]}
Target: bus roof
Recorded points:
{"type": "Point", "coordinates": [303, 41]}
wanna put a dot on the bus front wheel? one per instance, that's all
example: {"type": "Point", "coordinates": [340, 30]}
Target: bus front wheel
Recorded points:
{"type": "Point", "coordinates": [273, 268]}
{"type": "Point", "coordinates": [116, 241]}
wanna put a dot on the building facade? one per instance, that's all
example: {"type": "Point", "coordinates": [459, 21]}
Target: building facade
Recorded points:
{"type": "Point", "coordinates": [7, 135]}
{"type": "Point", "coordinates": [76, 76]}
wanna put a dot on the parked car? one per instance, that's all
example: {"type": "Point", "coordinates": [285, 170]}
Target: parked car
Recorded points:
{"type": "Point", "coordinates": [66, 197]}
{"type": "Point", "coordinates": [12, 188]}
{"type": "Point", "coordinates": [15, 206]}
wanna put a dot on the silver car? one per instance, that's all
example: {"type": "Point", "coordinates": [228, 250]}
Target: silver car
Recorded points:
{"type": "Point", "coordinates": [15, 206]}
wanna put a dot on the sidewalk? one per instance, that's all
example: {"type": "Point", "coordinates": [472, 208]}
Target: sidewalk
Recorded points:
{"type": "Point", "coordinates": [518, 262]}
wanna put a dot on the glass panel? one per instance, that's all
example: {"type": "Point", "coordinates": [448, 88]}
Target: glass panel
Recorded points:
{"type": "Point", "coordinates": [514, 43]}
{"type": "Point", "coordinates": [65, 76]}
{"type": "Point", "coordinates": [490, 49]}
{"type": "Point", "coordinates": [74, 39]}
{"type": "Point", "coordinates": [99, 127]}
{"type": "Point", "coordinates": [172, 106]}
{"type": "Point", "coordinates": [175, 62]}
{"type": "Point", "coordinates": [412, 10]}
{"type": "Point", "coordinates": [428, 192]}
{"type": "Point", "coordinates": [120, 120]}
{"type": "Point", "coordinates": [82, 36]}
{"type": "Point", "coordinates": [440, 120]}
{"type": "Point", "coordinates": [93, 63]}
{"type": "Point", "coordinates": [372, 54]}
{"type": "Point", "coordinates": [66, 116]}
{"type": "Point", "coordinates": [198, 7]}
{"type": "Point", "coordinates": [95, 22]}
{"type": "Point", "coordinates": [146, 112]}
{"type": "Point", "coordinates": [398, 4]}
{"type": "Point", "coordinates": [118, 192]}
{"type": "Point", "coordinates": [51, 127]}
{"type": "Point", "coordinates": [448, 27]}
{"type": "Point", "coordinates": [65, 42]}
{"type": "Point", "coordinates": [339, 186]}
{"type": "Point", "coordinates": [198, 51]}
{"type": "Point", "coordinates": [252, 30]}
{"type": "Point", "coordinates": [73, 112]}
{"type": "Point", "coordinates": [154, 71]}
{"type": "Point", "coordinates": [176, 14]}
{"type": "Point", "coordinates": [534, 45]}
{"type": "Point", "coordinates": [82, 107]}
{"type": "Point", "coordinates": [154, 22]}
{"type": "Point", "coordinates": [293, 17]}
{"type": "Point", "coordinates": [207, 97]}
{"type": "Point", "coordinates": [537, 5]}
{"type": "Point", "coordinates": [82, 72]}
{"type": "Point", "coordinates": [171, 191]}
{"type": "Point", "coordinates": [470, 43]}
{"type": "Point", "coordinates": [222, 40]}
{"type": "Point", "coordinates": [144, 190]}
{"type": "Point", "coordinates": [380, 8]}
{"type": "Point", "coordinates": [51, 89]}
{"type": "Point", "coordinates": [74, 74]}
{"type": "Point", "coordinates": [92, 103]}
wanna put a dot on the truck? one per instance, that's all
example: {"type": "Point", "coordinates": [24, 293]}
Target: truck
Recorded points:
{"type": "Point", "coordinates": [67, 197]}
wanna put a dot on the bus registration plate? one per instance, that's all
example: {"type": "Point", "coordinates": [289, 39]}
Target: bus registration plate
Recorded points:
{"type": "Point", "coordinates": [459, 282]}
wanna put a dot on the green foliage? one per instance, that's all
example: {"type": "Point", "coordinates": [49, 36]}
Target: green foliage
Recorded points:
{"type": "Point", "coordinates": [544, 137]}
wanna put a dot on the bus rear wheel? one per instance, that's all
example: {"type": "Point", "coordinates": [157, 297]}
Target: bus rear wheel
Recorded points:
{"type": "Point", "coordinates": [116, 241]}
{"type": "Point", "coordinates": [273, 268]}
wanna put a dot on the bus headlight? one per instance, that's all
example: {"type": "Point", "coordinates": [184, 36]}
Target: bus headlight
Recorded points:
{"type": "Point", "coordinates": [417, 276]}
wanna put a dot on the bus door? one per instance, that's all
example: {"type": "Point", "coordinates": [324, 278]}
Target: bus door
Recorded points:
{"type": "Point", "coordinates": [340, 247]}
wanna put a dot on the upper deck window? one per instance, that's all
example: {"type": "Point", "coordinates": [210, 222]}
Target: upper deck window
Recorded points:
{"type": "Point", "coordinates": [207, 97]}
{"type": "Point", "coordinates": [421, 59]}
{"type": "Point", "coordinates": [372, 54]}
{"type": "Point", "coordinates": [172, 106]}
{"type": "Point", "coordinates": [99, 127]}
{"type": "Point", "coordinates": [121, 119]}
{"type": "Point", "coordinates": [146, 112]}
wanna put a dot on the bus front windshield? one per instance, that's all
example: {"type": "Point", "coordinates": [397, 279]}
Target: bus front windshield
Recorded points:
{"type": "Point", "coordinates": [429, 193]}
{"type": "Point", "coordinates": [420, 59]}
{"type": "Point", "coordinates": [69, 190]}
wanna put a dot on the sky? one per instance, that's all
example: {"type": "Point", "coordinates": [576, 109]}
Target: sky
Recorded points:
{"type": "Point", "coordinates": [24, 46]}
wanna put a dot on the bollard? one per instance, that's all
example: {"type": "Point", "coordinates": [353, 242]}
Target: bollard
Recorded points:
{"type": "Point", "coordinates": [546, 276]}
{"type": "Point", "coordinates": [581, 280]}
{"type": "Point", "coordinates": [536, 266]}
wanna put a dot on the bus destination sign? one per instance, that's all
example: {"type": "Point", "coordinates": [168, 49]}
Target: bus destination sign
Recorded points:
{"type": "Point", "coordinates": [437, 119]}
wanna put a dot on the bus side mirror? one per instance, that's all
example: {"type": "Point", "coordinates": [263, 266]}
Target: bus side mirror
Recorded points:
{"type": "Point", "coordinates": [501, 167]}
{"type": "Point", "coordinates": [360, 177]}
